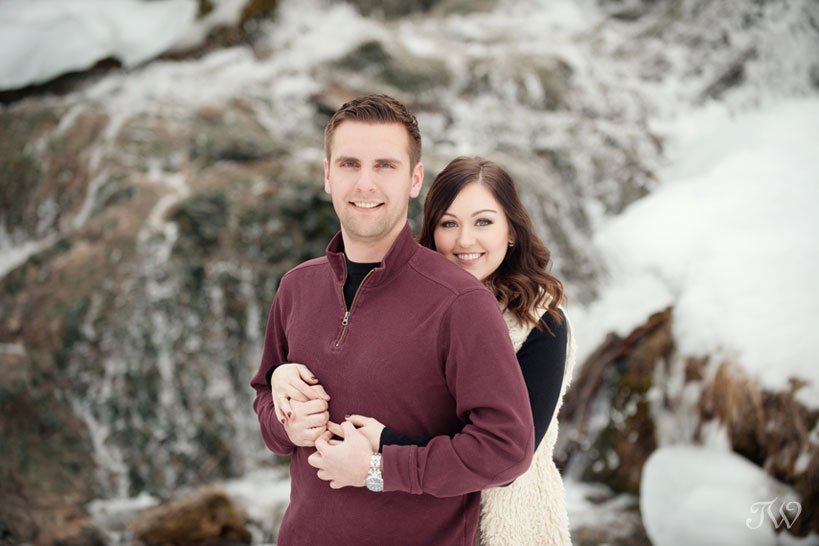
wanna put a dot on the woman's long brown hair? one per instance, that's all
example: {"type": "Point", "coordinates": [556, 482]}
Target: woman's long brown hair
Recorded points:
{"type": "Point", "coordinates": [522, 281]}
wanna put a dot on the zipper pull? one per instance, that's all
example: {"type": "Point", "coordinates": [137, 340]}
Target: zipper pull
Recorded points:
{"type": "Point", "coordinates": [346, 319]}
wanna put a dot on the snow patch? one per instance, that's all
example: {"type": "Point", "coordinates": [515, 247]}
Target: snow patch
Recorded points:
{"type": "Point", "coordinates": [41, 39]}
{"type": "Point", "coordinates": [727, 241]}
{"type": "Point", "coordinates": [693, 495]}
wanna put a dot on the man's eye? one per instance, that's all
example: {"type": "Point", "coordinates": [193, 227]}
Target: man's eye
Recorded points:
{"type": "Point", "coordinates": [348, 164]}
{"type": "Point", "coordinates": [385, 165]}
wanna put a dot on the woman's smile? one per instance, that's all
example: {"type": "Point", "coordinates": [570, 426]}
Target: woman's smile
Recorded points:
{"type": "Point", "coordinates": [469, 258]}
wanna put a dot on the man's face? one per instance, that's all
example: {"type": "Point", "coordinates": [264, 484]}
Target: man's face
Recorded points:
{"type": "Point", "coordinates": [370, 179]}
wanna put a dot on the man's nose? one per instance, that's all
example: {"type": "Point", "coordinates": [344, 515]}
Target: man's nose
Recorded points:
{"type": "Point", "coordinates": [365, 181]}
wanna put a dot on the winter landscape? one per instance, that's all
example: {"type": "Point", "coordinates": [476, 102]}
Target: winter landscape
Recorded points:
{"type": "Point", "coordinates": [160, 170]}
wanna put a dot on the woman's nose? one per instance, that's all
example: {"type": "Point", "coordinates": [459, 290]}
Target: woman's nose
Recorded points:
{"type": "Point", "coordinates": [465, 237]}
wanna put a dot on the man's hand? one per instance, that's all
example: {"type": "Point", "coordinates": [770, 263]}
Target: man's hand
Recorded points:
{"type": "Point", "coordinates": [308, 421]}
{"type": "Point", "coordinates": [370, 427]}
{"type": "Point", "coordinates": [293, 381]}
{"type": "Point", "coordinates": [342, 463]}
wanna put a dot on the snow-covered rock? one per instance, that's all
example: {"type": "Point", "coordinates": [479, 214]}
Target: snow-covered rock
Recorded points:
{"type": "Point", "coordinates": [725, 241]}
{"type": "Point", "coordinates": [41, 39]}
{"type": "Point", "coordinates": [692, 495]}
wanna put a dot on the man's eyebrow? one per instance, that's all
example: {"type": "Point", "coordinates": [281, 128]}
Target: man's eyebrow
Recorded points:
{"type": "Point", "coordinates": [392, 160]}
{"type": "Point", "coordinates": [345, 158]}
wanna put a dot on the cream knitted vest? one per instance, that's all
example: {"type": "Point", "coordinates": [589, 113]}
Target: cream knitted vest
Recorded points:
{"type": "Point", "coordinates": [532, 510]}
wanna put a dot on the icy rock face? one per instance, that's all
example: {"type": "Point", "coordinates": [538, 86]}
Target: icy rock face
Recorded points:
{"type": "Point", "coordinates": [146, 317]}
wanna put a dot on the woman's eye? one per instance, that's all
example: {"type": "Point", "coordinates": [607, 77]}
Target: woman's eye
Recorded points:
{"type": "Point", "coordinates": [447, 224]}
{"type": "Point", "coordinates": [483, 222]}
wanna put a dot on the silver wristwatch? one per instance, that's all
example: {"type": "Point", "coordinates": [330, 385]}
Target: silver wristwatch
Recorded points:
{"type": "Point", "coordinates": [374, 482]}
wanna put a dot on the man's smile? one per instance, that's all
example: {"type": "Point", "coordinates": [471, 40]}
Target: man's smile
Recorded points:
{"type": "Point", "coordinates": [366, 204]}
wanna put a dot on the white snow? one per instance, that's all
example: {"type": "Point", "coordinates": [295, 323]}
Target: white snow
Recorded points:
{"type": "Point", "coordinates": [596, 506]}
{"type": "Point", "coordinates": [728, 239]}
{"type": "Point", "coordinates": [42, 39]}
{"type": "Point", "coordinates": [13, 254]}
{"type": "Point", "coordinates": [113, 514]}
{"type": "Point", "coordinates": [263, 494]}
{"type": "Point", "coordinates": [691, 495]}
{"type": "Point", "coordinates": [224, 13]}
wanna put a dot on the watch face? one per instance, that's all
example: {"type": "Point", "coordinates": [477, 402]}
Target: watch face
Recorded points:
{"type": "Point", "coordinates": [374, 484]}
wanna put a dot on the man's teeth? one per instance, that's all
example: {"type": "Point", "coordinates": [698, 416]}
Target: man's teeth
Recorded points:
{"type": "Point", "coordinates": [365, 205]}
{"type": "Point", "coordinates": [468, 256]}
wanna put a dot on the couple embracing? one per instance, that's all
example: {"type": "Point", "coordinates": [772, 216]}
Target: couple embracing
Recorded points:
{"type": "Point", "coordinates": [415, 384]}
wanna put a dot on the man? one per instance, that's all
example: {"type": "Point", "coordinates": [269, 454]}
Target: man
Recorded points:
{"type": "Point", "coordinates": [397, 332]}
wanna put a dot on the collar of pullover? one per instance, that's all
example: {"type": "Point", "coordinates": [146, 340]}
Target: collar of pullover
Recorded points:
{"type": "Point", "coordinates": [399, 254]}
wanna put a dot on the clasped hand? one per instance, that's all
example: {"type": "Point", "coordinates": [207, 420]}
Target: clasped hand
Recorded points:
{"type": "Point", "coordinates": [301, 404]}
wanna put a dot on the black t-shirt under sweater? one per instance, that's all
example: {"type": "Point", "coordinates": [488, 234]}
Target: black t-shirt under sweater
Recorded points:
{"type": "Point", "coordinates": [355, 274]}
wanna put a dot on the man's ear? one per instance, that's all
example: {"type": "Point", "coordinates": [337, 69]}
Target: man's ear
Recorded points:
{"type": "Point", "coordinates": [417, 180]}
{"type": "Point", "coordinates": [327, 177]}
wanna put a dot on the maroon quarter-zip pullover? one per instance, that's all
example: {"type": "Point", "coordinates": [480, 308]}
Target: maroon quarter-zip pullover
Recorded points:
{"type": "Point", "coordinates": [424, 349]}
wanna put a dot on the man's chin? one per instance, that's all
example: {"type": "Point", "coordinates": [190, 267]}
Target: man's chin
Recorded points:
{"type": "Point", "coordinates": [371, 232]}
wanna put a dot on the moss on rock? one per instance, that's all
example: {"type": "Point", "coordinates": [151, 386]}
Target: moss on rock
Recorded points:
{"type": "Point", "coordinates": [404, 72]}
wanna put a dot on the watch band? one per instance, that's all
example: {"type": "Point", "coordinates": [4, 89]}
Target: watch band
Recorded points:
{"type": "Point", "coordinates": [374, 480]}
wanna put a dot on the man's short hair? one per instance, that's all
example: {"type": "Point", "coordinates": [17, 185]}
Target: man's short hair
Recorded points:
{"type": "Point", "coordinates": [376, 109]}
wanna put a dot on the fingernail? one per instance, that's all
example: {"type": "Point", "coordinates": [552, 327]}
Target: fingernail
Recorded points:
{"type": "Point", "coordinates": [347, 415]}
{"type": "Point", "coordinates": [314, 378]}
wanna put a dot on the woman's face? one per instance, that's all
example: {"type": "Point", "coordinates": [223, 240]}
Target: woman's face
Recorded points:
{"type": "Point", "coordinates": [474, 232]}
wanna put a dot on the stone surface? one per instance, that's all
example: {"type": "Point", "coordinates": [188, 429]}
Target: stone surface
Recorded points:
{"type": "Point", "coordinates": [621, 371]}
{"type": "Point", "coordinates": [206, 518]}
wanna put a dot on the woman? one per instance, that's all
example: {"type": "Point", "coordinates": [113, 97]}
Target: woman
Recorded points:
{"type": "Point", "coordinates": [473, 216]}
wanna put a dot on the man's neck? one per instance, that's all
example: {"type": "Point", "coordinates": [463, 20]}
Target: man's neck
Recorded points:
{"type": "Point", "coordinates": [360, 251]}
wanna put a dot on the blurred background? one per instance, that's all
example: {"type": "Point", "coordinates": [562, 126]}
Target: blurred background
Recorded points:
{"type": "Point", "coordinates": [160, 170]}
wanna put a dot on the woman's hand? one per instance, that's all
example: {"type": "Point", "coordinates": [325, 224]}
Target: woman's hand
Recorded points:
{"type": "Point", "coordinates": [294, 381]}
{"type": "Point", "coordinates": [308, 422]}
{"type": "Point", "coordinates": [370, 427]}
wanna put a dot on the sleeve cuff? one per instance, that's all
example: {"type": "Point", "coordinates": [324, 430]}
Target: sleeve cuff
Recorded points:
{"type": "Point", "coordinates": [269, 373]}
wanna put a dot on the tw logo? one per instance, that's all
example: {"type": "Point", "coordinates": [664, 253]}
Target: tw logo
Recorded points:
{"type": "Point", "coordinates": [765, 508]}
